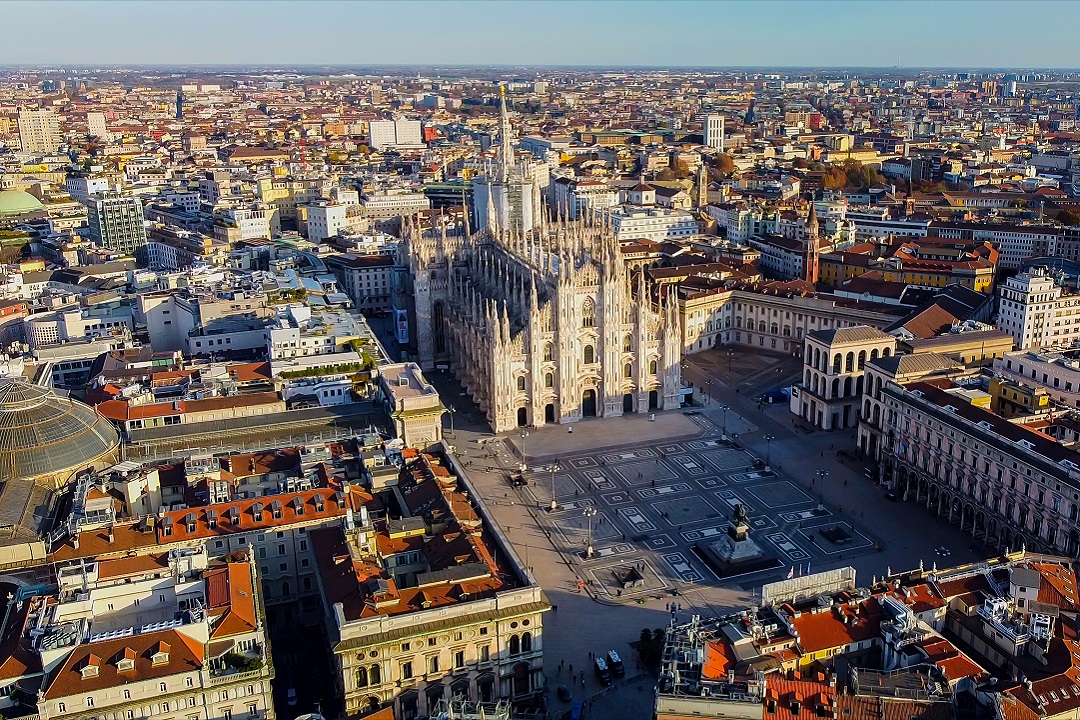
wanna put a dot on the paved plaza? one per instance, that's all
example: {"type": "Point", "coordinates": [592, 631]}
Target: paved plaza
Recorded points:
{"type": "Point", "coordinates": [648, 505]}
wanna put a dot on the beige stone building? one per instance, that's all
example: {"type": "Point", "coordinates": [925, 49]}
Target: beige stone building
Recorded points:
{"type": "Point", "coordinates": [834, 362]}
{"type": "Point", "coordinates": [431, 605]}
{"type": "Point", "coordinates": [899, 369]}
{"type": "Point", "coordinates": [413, 403]}
{"type": "Point", "coordinates": [1009, 485]}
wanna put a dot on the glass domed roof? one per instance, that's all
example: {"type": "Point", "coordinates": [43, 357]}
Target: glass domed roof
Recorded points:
{"type": "Point", "coordinates": [42, 433]}
{"type": "Point", "coordinates": [17, 202]}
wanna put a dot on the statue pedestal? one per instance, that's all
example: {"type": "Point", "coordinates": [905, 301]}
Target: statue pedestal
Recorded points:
{"type": "Point", "coordinates": [735, 553]}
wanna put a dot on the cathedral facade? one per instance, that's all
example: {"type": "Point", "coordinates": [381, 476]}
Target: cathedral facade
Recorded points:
{"type": "Point", "coordinates": [543, 326]}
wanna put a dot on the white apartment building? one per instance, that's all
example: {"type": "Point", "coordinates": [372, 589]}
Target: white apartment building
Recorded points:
{"type": "Point", "coordinates": [74, 323]}
{"type": "Point", "coordinates": [573, 197]}
{"type": "Point", "coordinates": [714, 131]}
{"type": "Point", "coordinates": [135, 638]}
{"type": "Point", "coordinates": [390, 203]}
{"type": "Point", "coordinates": [302, 332]}
{"type": "Point", "coordinates": [876, 222]}
{"type": "Point", "coordinates": [325, 220]}
{"type": "Point", "coordinates": [82, 187]}
{"type": "Point", "coordinates": [1058, 373]}
{"type": "Point", "coordinates": [186, 199]}
{"type": "Point", "coordinates": [740, 222]}
{"type": "Point", "coordinates": [1015, 243]}
{"type": "Point", "coordinates": [1036, 312]}
{"type": "Point", "coordinates": [384, 134]}
{"type": "Point", "coordinates": [656, 224]}
{"type": "Point", "coordinates": [39, 131]}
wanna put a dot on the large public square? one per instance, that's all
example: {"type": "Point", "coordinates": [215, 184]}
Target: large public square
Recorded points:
{"type": "Point", "coordinates": [661, 486]}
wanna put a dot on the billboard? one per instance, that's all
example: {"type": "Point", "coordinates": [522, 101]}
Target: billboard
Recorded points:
{"type": "Point", "coordinates": [401, 326]}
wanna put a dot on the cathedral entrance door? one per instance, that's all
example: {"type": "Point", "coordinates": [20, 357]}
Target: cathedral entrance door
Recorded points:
{"type": "Point", "coordinates": [588, 403]}
{"type": "Point", "coordinates": [654, 400]}
{"type": "Point", "coordinates": [549, 413]}
{"type": "Point", "coordinates": [628, 403]}
{"type": "Point", "coordinates": [523, 417]}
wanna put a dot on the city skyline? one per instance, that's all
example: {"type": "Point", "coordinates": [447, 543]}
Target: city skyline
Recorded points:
{"type": "Point", "coordinates": [604, 34]}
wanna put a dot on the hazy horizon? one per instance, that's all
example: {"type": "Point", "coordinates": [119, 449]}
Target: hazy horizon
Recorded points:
{"type": "Point", "coordinates": [780, 34]}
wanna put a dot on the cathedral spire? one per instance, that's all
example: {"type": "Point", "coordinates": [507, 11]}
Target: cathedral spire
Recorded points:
{"type": "Point", "coordinates": [492, 221]}
{"type": "Point", "coordinates": [506, 154]}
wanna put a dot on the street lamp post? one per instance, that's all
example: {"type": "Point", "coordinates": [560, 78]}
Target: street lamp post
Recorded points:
{"type": "Point", "coordinates": [821, 475]}
{"type": "Point", "coordinates": [590, 513]}
{"type": "Point", "coordinates": [554, 503]}
{"type": "Point", "coordinates": [730, 357]}
{"type": "Point", "coordinates": [724, 409]}
{"type": "Point", "coordinates": [768, 448]}
{"type": "Point", "coordinates": [708, 394]}
{"type": "Point", "coordinates": [452, 411]}
{"type": "Point", "coordinates": [524, 455]}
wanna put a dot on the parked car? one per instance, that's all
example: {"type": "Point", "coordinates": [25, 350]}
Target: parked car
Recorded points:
{"type": "Point", "coordinates": [891, 497]}
{"type": "Point", "coordinates": [290, 696]}
{"type": "Point", "coordinates": [518, 480]}
{"type": "Point", "coordinates": [564, 694]}
{"type": "Point", "coordinates": [577, 710]}
{"type": "Point", "coordinates": [616, 664]}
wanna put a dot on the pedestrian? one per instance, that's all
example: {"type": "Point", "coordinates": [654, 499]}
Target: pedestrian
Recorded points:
{"type": "Point", "coordinates": [571, 668]}
{"type": "Point", "coordinates": [554, 608]}
{"type": "Point", "coordinates": [590, 656]}
{"type": "Point", "coordinates": [639, 475]}
{"type": "Point", "coordinates": [651, 482]}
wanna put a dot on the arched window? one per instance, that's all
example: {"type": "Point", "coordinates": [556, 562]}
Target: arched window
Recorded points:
{"type": "Point", "coordinates": [807, 378]}
{"type": "Point", "coordinates": [521, 383]}
{"type": "Point", "coordinates": [361, 677]}
{"type": "Point", "coordinates": [761, 326]}
{"type": "Point", "coordinates": [549, 354]}
{"type": "Point", "coordinates": [526, 642]}
{"type": "Point", "coordinates": [837, 362]}
{"type": "Point", "coordinates": [850, 364]}
{"type": "Point", "coordinates": [284, 589]}
{"type": "Point", "coordinates": [873, 354]}
{"type": "Point", "coordinates": [628, 371]}
{"type": "Point", "coordinates": [549, 380]}
{"type": "Point", "coordinates": [375, 674]}
{"type": "Point", "coordinates": [590, 355]}
{"type": "Point", "coordinates": [652, 367]}
{"type": "Point", "coordinates": [627, 344]}
{"type": "Point", "coordinates": [886, 352]}
{"type": "Point", "coordinates": [835, 388]}
{"type": "Point", "coordinates": [862, 359]}
{"type": "Point", "coordinates": [515, 645]}
{"type": "Point", "coordinates": [588, 313]}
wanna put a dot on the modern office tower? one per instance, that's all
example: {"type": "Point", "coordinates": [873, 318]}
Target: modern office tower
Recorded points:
{"type": "Point", "coordinates": [116, 222]}
{"type": "Point", "coordinates": [39, 131]}
{"type": "Point", "coordinates": [714, 131]}
{"type": "Point", "coordinates": [179, 104]}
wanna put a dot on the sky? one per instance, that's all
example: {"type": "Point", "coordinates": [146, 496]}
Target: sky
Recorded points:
{"type": "Point", "coordinates": [856, 33]}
